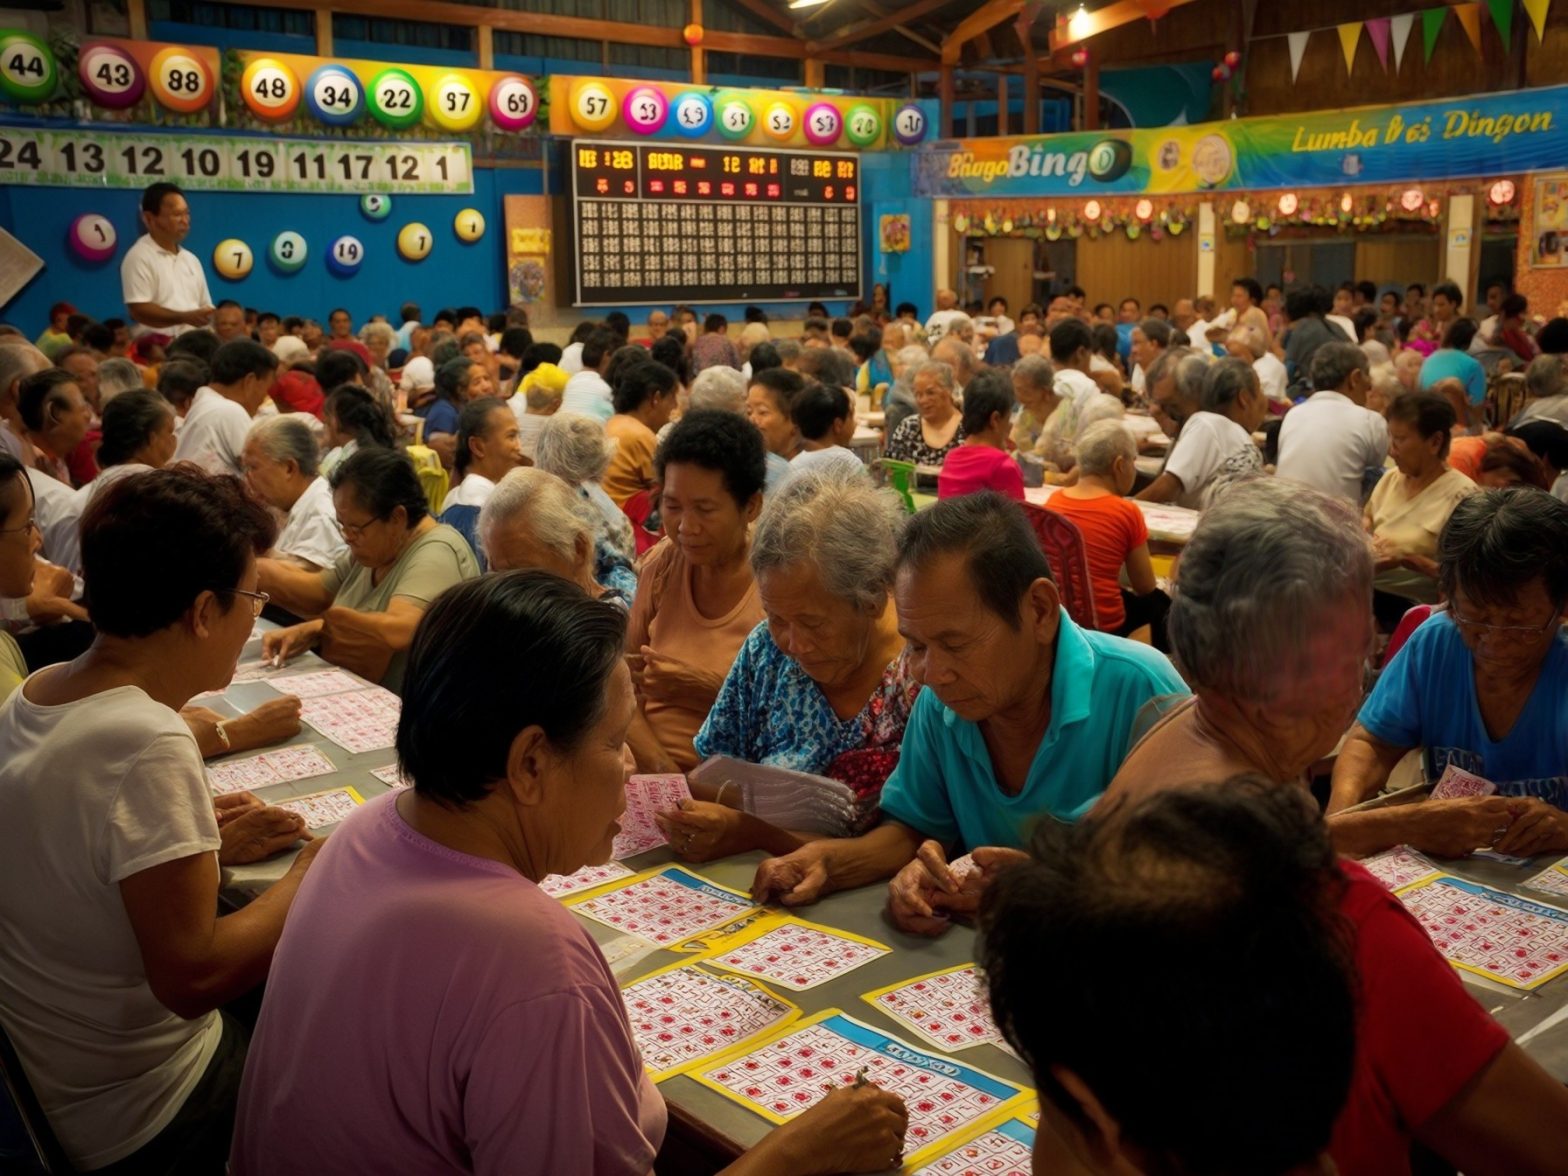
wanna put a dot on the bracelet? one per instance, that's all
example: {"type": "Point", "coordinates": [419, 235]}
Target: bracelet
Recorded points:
{"type": "Point", "coordinates": [219, 729]}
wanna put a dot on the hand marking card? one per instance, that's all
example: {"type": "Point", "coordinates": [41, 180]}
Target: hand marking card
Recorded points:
{"type": "Point", "coordinates": [1400, 867]}
{"type": "Point", "coordinates": [559, 886]}
{"type": "Point", "coordinates": [789, 1072]}
{"type": "Point", "coordinates": [1456, 782]}
{"type": "Point", "coordinates": [1486, 932]}
{"type": "Point", "coordinates": [950, 1009]}
{"type": "Point", "coordinates": [683, 1015]}
{"type": "Point", "coordinates": [362, 720]}
{"type": "Point", "coordinates": [321, 809]}
{"type": "Point", "coordinates": [272, 767]}
{"type": "Point", "coordinates": [254, 670]}
{"type": "Point", "coordinates": [1004, 1150]}
{"type": "Point", "coordinates": [668, 907]}
{"type": "Point", "coordinates": [316, 684]}
{"type": "Point", "coordinates": [794, 954]}
{"type": "Point", "coordinates": [392, 777]}
{"type": "Point", "coordinates": [1552, 880]}
{"type": "Point", "coordinates": [962, 868]}
{"type": "Point", "coordinates": [646, 796]}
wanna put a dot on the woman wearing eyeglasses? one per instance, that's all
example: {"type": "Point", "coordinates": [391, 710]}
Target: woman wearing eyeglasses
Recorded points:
{"type": "Point", "coordinates": [367, 605]}
{"type": "Point", "coordinates": [114, 962]}
{"type": "Point", "coordinates": [1480, 686]}
{"type": "Point", "coordinates": [20, 539]}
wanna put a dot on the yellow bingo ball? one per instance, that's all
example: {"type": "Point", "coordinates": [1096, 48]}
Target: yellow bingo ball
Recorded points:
{"type": "Point", "coordinates": [233, 259]}
{"type": "Point", "coordinates": [454, 104]}
{"type": "Point", "coordinates": [414, 241]}
{"type": "Point", "coordinates": [593, 106]}
{"type": "Point", "coordinates": [469, 225]}
{"type": "Point", "coordinates": [779, 121]}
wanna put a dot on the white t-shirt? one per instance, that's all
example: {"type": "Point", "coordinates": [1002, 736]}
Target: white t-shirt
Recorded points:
{"type": "Point", "coordinates": [587, 393]}
{"type": "Point", "coordinates": [93, 792]}
{"type": "Point", "coordinates": [311, 532]}
{"type": "Point", "coordinates": [1272, 376]}
{"type": "Point", "coordinates": [529, 424]}
{"type": "Point", "coordinates": [936, 325]}
{"type": "Point", "coordinates": [572, 358]}
{"type": "Point", "coordinates": [473, 490]}
{"type": "Point", "coordinates": [213, 433]}
{"type": "Point", "coordinates": [419, 375]}
{"type": "Point", "coordinates": [174, 281]}
{"type": "Point", "coordinates": [1344, 325]}
{"type": "Point", "coordinates": [14, 445]}
{"type": "Point", "coordinates": [1211, 452]}
{"type": "Point", "coordinates": [1329, 441]}
{"type": "Point", "coordinates": [59, 517]}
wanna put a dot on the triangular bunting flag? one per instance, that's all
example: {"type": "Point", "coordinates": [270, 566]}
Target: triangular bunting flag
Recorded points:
{"type": "Point", "coordinates": [1503, 17]}
{"type": "Point", "coordinates": [1298, 45]}
{"type": "Point", "coordinates": [1377, 33]}
{"type": "Point", "coordinates": [1470, 20]}
{"type": "Point", "coordinates": [1349, 38]}
{"type": "Point", "coordinates": [1400, 26]}
{"type": "Point", "coordinates": [1536, 9]}
{"type": "Point", "coordinates": [1431, 25]}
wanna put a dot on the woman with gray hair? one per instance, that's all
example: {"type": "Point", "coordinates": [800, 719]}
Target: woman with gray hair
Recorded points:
{"type": "Point", "coordinates": [823, 684]}
{"type": "Point", "coordinates": [282, 463]}
{"type": "Point", "coordinates": [116, 375]}
{"type": "Point", "coordinates": [722, 388]}
{"type": "Point", "coordinates": [1215, 447]}
{"type": "Point", "coordinates": [573, 447]}
{"type": "Point", "coordinates": [900, 399]}
{"type": "Point", "coordinates": [533, 520]}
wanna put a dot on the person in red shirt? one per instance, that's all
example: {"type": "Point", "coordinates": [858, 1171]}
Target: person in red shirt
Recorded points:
{"type": "Point", "coordinates": [982, 462]}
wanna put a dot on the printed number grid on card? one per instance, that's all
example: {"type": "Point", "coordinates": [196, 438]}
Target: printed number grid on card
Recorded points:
{"type": "Point", "coordinates": [392, 777]}
{"type": "Point", "coordinates": [949, 1009]}
{"type": "Point", "coordinates": [316, 684]}
{"type": "Point", "coordinates": [559, 886]}
{"type": "Point", "coordinates": [262, 771]}
{"type": "Point", "coordinates": [321, 809]}
{"type": "Point", "coordinates": [362, 720]}
{"type": "Point", "coordinates": [794, 954]}
{"type": "Point", "coordinates": [682, 1015]}
{"type": "Point", "coordinates": [1400, 867]}
{"type": "Point", "coordinates": [647, 796]}
{"type": "Point", "coordinates": [667, 908]}
{"type": "Point", "coordinates": [792, 1071]}
{"type": "Point", "coordinates": [1004, 1150]}
{"type": "Point", "coordinates": [1486, 932]}
{"type": "Point", "coordinates": [1552, 880]}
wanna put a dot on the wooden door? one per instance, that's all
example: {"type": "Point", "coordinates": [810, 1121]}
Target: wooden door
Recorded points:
{"type": "Point", "coordinates": [1013, 258]}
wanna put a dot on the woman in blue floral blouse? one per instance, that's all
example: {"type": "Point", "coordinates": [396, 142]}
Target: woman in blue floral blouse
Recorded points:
{"type": "Point", "coordinates": [823, 684]}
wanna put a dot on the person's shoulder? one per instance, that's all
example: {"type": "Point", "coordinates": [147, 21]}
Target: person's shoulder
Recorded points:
{"type": "Point", "coordinates": [662, 560]}
{"type": "Point", "coordinates": [445, 535]}
{"type": "Point", "coordinates": [1118, 658]}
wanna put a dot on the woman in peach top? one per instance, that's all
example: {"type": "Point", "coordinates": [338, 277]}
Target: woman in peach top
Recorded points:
{"type": "Point", "coordinates": [696, 600]}
{"type": "Point", "coordinates": [644, 398]}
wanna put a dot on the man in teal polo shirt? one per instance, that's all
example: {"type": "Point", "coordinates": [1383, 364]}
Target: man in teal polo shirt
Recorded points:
{"type": "Point", "coordinates": [1025, 716]}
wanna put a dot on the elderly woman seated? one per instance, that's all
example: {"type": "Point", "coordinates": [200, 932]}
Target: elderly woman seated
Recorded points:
{"type": "Point", "coordinates": [503, 1044]}
{"type": "Point", "coordinates": [533, 520]}
{"type": "Point", "coordinates": [352, 420]}
{"type": "Point", "coordinates": [457, 382]}
{"type": "Point", "coordinates": [537, 399]}
{"type": "Point", "coordinates": [937, 429]}
{"type": "Point", "coordinates": [367, 604]}
{"type": "Point", "coordinates": [1478, 687]}
{"type": "Point", "coordinates": [823, 684]}
{"type": "Point", "coordinates": [573, 447]}
{"type": "Point", "coordinates": [280, 459]}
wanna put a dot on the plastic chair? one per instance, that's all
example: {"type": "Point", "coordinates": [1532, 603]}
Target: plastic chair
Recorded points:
{"type": "Point", "coordinates": [638, 507]}
{"type": "Point", "coordinates": [433, 478]}
{"type": "Point", "coordinates": [465, 521]}
{"type": "Point", "coordinates": [51, 1156]}
{"type": "Point", "coordinates": [900, 475]}
{"type": "Point", "coordinates": [1413, 619]}
{"type": "Point", "coordinates": [1062, 543]}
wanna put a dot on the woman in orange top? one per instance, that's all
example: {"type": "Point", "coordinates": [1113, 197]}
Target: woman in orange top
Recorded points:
{"type": "Point", "coordinates": [644, 397]}
{"type": "Point", "coordinates": [1114, 532]}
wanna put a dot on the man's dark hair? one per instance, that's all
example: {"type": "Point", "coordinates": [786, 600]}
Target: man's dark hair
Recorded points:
{"type": "Point", "coordinates": [339, 365]}
{"type": "Point", "coordinates": [721, 441]}
{"type": "Point", "coordinates": [1367, 290]}
{"type": "Point", "coordinates": [1250, 285]}
{"type": "Point", "coordinates": [180, 379]}
{"type": "Point", "coordinates": [619, 324]}
{"type": "Point", "coordinates": [598, 344]}
{"type": "Point", "coordinates": [1460, 334]}
{"type": "Point", "coordinates": [240, 358]}
{"type": "Point", "coordinates": [129, 422]}
{"type": "Point", "coordinates": [473, 421]}
{"type": "Point", "coordinates": [817, 407]}
{"type": "Point", "coordinates": [409, 312]}
{"type": "Point", "coordinates": [515, 341]}
{"type": "Point", "coordinates": [200, 344]}
{"type": "Point", "coordinates": [671, 352]}
{"type": "Point", "coordinates": [988, 393]}
{"type": "Point", "coordinates": [1000, 550]}
{"type": "Point", "coordinates": [97, 336]}
{"type": "Point", "coordinates": [40, 397]}
{"type": "Point", "coordinates": [755, 314]}
{"type": "Point", "coordinates": [539, 353]}
{"type": "Point", "coordinates": [639, 383]}
{"type": "Point", "coordinates": [267, 316]}
{"type": "Point", "coordinates": [153, 194]}
{"type": "Point", "coordinates": [904, 308]}
{"type": "Point", "coordinates": [781, 384]}
{"type": "Point", "coordinates": [763, 357]}
{"type": "Point", "coordinates": [1450, 291]}
{"type": "Point", "coordinates": [842, 328]}
{"type": "Point", "coordinates": [1302, 302]}
{"type": "Point", "coordinates": [715, 323]}
{"type": "Point", "coordinates": [1497, 541]}
{"type": "Point", "coordinates": [1068, 337]}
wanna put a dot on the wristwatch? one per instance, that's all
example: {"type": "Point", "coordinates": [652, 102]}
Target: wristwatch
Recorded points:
{"type": "Point", "coordinates": [223, 735]}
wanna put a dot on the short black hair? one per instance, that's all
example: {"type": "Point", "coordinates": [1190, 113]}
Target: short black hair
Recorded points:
{"type": "Point", "coordinates": [764, 357]}
{"type": "Point", "coordinates": [815, 323]}
{"type": "Point", "coordinates": [1460, 334]}
{"type": "Point", "coordinates": [1068, 337]}
{"type": "Point", "coordinates": [153, 194]}
{"type": "Point", "coordinates": [98, 336]}
{"type": "Point", "coordinates": [670, 350]}
{"type": "Point", "coordinates": [470, 424]}
{"type": "Point", "coordinates": [1250, 285]}
{"type": "Point", "coordinates": [180, 379]}
{"type": "Point", "coordinates": [715, 322]}
{"type": "Point", "coordinates": [1544, 437]}
{"type": "Point", "coordinates": [828, 364]}
{"type": "Point", "coordinates": [1132, 300]}
{"type": "Point", "coordinates": [1553, 337]}
{"type": "Point", "coordinates": [40, 397]}
{"type": "Point", "coordinates": [515, 341]}
{"type": "Point", "coordinates": [619, 323]}
{"type": "Point", "coordinates": [452, 377]}
{"type": "Point", "coordinates": [865, 344]}
{"type": "Point", "coordinates": [445, 314]}
{"type": "Point", "coordinates": [409, 312]}
{"type": "Point", "coordinates": [988, 393]}
{"type": "Point", "coordinates": [1303, 301]}
{"type": "Point", "coordinates": [1239, 870]}
{"type": "Point", "coordinates": [361, 415]}
{"type": "Point", "coordinates": [338, 365]}
{"type": "Point", "coordinates": [755, 314]}
{"type": "Point", "coordinates": [467, 312]}
{"type": "Point", "coordinates": [1075, 291]}
{"type": "Point", "coordinates": [599, 343]}
{"type": "Point", "coordinates": [904, 308]}
{"type": "Point", "coordinates": [1513, 305]}
{"type": "Point", "coordinates": [129, 421]}
{"type": "Point", "coordinates": [199, 530]}
{"type": "Point", "coordinates": [1106, 340]}
{"type": "Point", "coordinates": [239, 358]}
{"type": "Point", "coordinates": [1450, 291]}
{"type": "Point", "coordinates": [1497, 541]}
{"type": "Point", "coordinates": [337, 310]}
{"type": "Point", "coordinates": [720, 441]}
{"type": "Point", "coordinates": [540, 353]}
{"type": "Point", "coordinates": [780, 383]}
{"type": "Point", "coordinates": [225, 303]}
{"type": "Point", "coordinates": [819, 309]}
{"type": "Point", "coordinates": [496, 323]}
{"type": "Point", "coordinates": [1418, 287]}
{"type": "Point", "coordinates": [1099, 306]}
{"type": "Point", "coordinates": [382, 481]}
{"type": "Point", "coordinates": [1427, 412]}
{"type": "Point", "coordinates": [1000, 550]}
{"type": "Point", "coordinates": [1367, 290]}
{"type": "Point", "coordinates": [842, 328]}
{"type": "Point", "coordinates": [817, 407]}
{"type": "Point", "coordinates": [639, 383]}
{"type": "Point", "coordinates": [622, 361]}
{"type": "Point", "coordinates": [267, 316]}
{"type": "Point", "coordinates": [199, 344]}
{"type": "Point", "coordinates": [462, 675]}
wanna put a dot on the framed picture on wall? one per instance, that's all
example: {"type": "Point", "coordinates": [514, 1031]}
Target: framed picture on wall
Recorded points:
{"type": "Point", "coordinates": [1549, 222]}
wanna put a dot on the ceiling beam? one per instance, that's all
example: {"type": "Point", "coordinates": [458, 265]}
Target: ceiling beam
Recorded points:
{"type": "Point", "coordinates": [766, 12]}
{"type": "Point", "coordinates": [988, 15]}
{"type": "Point", "coordinates": [1103, 21]}
{"type": "Point", "coordinates": [860, 31]}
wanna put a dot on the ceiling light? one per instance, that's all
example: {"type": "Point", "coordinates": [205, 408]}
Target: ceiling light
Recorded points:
{"type": "Point", "coordinates": [1078, 23]}
{"type": "Point", "coordinates": [806, 3]}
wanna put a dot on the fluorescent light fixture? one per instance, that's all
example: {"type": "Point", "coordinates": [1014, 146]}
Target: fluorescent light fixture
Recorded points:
{"type": "Point", "coordinates": [806, 3]}
{"type": "Point", "coordinates": [1078, 23]}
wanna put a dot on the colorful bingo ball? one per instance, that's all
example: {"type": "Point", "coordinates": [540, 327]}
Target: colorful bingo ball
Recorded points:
{"type": "Point", "coordinates": [180, 81]}
{"type": "Point", "coordinates": [27, 69]}
{"type": "Point", "coordinates": [736, 117]}
{"type": "Point", "coordinates": [514, 103]}
{"type": "Point", "coordinates": [454, 103]}
{"type": "Point", "coordinates": [111, 76]}
{"type": "Point", "coordinates": [287, 252]}
{"type": "Point", "coordinates": [693, 115]}
{"type": "Point", "coordinates": [395, 100]}
{"type": "Point", "coordinates": [414, 241]}
{"type": "Point", "coordinates": [334, 95]}
{"type": "Point", "coordinates": [909, 125]}
{"type": "Point", "coordinates": [92, 237]}
{"type": "Point", "coordinates": [375, 206]}
{"type": "Point", "coordinates": [469, 225]}
{"type": "Point", "coordinates": [823, 124]}
{"type": "Point", "coordinates": [779, 121]}
{"type": "Point", "coordinates": [865, 125]}
{"type": "Point", "coordinates": [593, 106]}
{"type": "Point", "coordinates": [270, 89]}
{"type": "Point", "coordinates": [345, 256]}
{"type": "Point", "coordinates": [232, 259]}
{"type": "Point", "coordinates": [645, 109]}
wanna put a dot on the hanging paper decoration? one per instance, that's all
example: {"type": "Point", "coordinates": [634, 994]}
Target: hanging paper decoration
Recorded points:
{"type": "Point", "coordinates": [1536, 11]}
{"type": "Point", "coordinates": [865, 126]}
{"type": "Point", "coordinates": [1297, 43]}
{"type": "Point", "coordinates": [1400, 27]}
{"type": "Point", "coordinates": [287, 252]}
{"type": "Point", "coordinates": [27, 68]}
{"type": "Point", "coordinates": [92, 238]}
{"type": "Point", "coordinates": [414, 241]}
{"type": "Point", "coordinates": [1377, 33]}
{"type": "Point", "coordinates": [1470, 20]}
{"type": "Point", "coordinates": [334, 95]}
{"type": "Point", "coordinates": [693, 114]}
{"type": "Point", "coordinates": [1431, 25]}
{"type": "Point", "coordinates": [469, 225]}
{"type": "Point", "coordinates": [1349, 38]}
{"type": "Point", "coordinates": [1503, 17]}
{"type": "Point", "coordinates": [345, 256]}
{"type": "Point", "coordinates": [110, 76]}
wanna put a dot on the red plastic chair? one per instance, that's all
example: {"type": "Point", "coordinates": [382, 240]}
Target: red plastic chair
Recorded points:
{"type": "Point", "coordinates": [1062, 543]}
{"type": "Point", "coordinates": [638, 507]}
{"type": "Point", "coordinates": [1408, 624]}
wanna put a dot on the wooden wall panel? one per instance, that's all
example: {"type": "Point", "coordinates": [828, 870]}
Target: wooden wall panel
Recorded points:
{"type": "Point", "coordinates": [1400, 260]}
{"type": "Point", "coordinates": [1112, 268]}
{"type": "Point", "coordinates": [1232, 259]}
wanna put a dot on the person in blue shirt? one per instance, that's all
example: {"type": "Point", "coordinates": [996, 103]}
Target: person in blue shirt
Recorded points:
{"type": "Point", "coordinates": [1025, 717]}
{"type": "Point", "coordinates": [1481, 686]}
{"type": "Point", "coordinates": [1453, 361]}
{"type": "Point", "coordinates": [457, 382]}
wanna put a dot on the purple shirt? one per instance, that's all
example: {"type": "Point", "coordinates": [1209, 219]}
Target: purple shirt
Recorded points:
{"type": "Point", "coordinates": [432, 1012]}
{"type": "Point", "coordinates": [969, 469]}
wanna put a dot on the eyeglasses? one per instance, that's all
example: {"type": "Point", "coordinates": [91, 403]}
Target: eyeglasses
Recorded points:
{"type": "Point", "coordinates": [352, 531]}
{"type": "Point", "coordinates": [1504, 632]}
{"type": "Point", "coordinates": [258, 600]}
{"type": "Point", "coordinates": [29, 525]}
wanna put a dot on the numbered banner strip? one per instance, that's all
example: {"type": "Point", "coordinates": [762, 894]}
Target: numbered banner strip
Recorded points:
{"type": "Point", "coordinates": [100, 159]}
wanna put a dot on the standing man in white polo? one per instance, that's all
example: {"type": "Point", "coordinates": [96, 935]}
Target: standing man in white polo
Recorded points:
{"type": "Point", "coordinates": [163, 285]}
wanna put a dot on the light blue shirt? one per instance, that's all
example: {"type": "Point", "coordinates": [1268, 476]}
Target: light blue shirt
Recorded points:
{"type": "Point", "coordinates": [778, 469]}
{"type": "Point", "coordinates": [1448, 364]}
{"type": "Point", "coordinates": [1426, 698]}
{"type": "Point", "coordinates": [945, 788]}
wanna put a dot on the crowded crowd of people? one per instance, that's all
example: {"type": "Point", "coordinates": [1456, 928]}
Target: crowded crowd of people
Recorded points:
{"type": "Point", "coordinates": [657, 543]}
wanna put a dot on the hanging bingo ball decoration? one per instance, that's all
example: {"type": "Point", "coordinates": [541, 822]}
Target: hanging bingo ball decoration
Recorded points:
{"type": "Point", "coordinates": [375, 206]}
{"type": "Point", "coordinates": [395, 100]}
{"type": "Point", "coordinates": [469, 225]}
{"type": "Point", "coordinates": [179, 80]}
{"type": "Point", "coordinates": [335, 96]}
{"type": "Point", "coordinates": [454, 103]}
{"type": "Point", "coordinates": [693, 115]}
{"type": "Point", "coordinates": [824, 124]}
{"type": "Point", "coordinates": [27, 69]}
{"type": "Point", "coordinates": [270, 89]}
{"type": "Point", "coordinates": [287, 252]}
{"type": "Point", "coordinates": [232, 259]}
{"type": "Point", "coordinates": [909, 125]}
{"type": "Point", "coordinates": [865, 126]}
{"type": "Point", "coordinates": [593, 106]}
{"type": "Point", "coordinates": [736, 117]}
{"type": "Point", "coordinates": [414, 241]}
{"type": "Point", "coordinates": [111, 77]}
{"type": "Point", "coordinates": [779, 121]}
{"type": "Point", "coordinates": [92, 238]}
{"type": "Point", "coordinates": [345, 256]}
{"type": "Point", "coordinates": [645, 109]}
{"type": "Point", "coordinates": [514, 103]}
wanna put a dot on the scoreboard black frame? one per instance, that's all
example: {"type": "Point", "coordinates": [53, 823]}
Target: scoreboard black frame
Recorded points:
{"type": "Point", "coordinates": [666, 222]}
